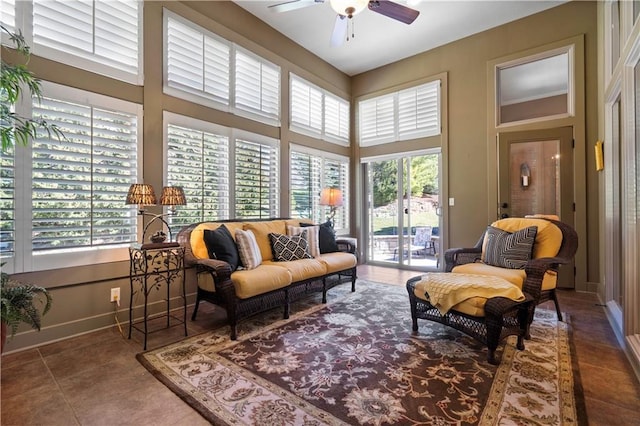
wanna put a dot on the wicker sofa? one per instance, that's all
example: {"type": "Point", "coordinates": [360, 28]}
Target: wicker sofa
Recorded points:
{"type": "Point", "coordinates": [244, 292]}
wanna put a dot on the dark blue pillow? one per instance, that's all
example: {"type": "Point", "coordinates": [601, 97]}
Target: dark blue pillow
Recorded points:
{"type": "Point", "coordinates": [221, 246]}
{"type": "Point", "coordinates": [326, 237]}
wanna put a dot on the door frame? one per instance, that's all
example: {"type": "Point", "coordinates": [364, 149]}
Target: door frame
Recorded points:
{"type": "Point", "coordinates": [564, 135]}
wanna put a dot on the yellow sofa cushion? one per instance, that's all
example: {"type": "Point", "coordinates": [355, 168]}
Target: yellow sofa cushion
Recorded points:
{"type": "Point", "coordinates": [263, 279]}
{"type": "Point", "coordinates": [198, 247]}
{"type": "Point", "coordinates": [301, 269]}
{"type": "Point", "coordinates": [261, 230]}
{"type": "Point", "coordinates": [337, 261]}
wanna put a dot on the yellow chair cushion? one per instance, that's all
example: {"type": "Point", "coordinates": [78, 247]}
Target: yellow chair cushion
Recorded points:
{"type": "Point", "coordinates": [466, 293]}
{"type": "Point", "coordinates": [198, 247]}
{"type": "Point", "coordinates": [261, 230]}
{"type": "Point", "coordinates": [548, 238]}
{"type": "Point", "coordinates": [514, 276]}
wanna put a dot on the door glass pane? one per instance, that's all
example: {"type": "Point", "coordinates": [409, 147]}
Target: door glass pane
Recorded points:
{"type": "Point", "coordinates": [404, 230]}
{"type": "Point", "coordinates": [535, 89]}
{"type": "Point", "coordinates": [535, 178]}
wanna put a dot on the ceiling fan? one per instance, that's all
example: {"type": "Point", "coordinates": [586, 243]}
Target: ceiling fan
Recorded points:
{"type": "Point", "coordinates": [347, 9]}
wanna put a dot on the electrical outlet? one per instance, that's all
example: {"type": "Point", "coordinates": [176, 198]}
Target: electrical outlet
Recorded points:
{"type": "Point", "coordinates": [115, 294]}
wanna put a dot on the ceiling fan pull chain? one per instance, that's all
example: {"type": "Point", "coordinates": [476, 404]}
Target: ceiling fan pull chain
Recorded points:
{"type": "Point", "coordinates": [349, 22]}
{"type": "Point", "coordinates": [353, 28]}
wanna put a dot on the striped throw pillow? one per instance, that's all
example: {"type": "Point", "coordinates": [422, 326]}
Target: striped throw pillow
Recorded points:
{"type": "Point", "coordinates": [248, 249]}
{"type": "Point", "coordinates": [312, 237]}
{"type": "Point", "coordinates": [509, 250]}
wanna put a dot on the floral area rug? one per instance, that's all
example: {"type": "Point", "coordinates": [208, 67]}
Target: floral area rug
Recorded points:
{"type": "Point", "coordinates": [355, 361]}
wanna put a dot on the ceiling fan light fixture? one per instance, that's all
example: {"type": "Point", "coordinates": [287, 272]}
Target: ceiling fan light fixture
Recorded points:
{"type": "Point", "coordinates": [348, 8]}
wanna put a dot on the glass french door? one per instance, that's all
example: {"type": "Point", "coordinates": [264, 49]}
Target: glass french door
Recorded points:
{"type": "Point", "coordinates": [403, 210]}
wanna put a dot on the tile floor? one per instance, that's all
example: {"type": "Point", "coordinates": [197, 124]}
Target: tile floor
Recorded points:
{"type": "Point", "coordinates": [95, 379]}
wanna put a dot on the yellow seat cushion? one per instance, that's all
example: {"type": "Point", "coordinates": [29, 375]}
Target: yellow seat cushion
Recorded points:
{"type": "Point", "coordinates": [263, 279]}
{"type": "Point", "coordinates": [514, 276]}
{"type": "Point", "coordinates": [338, 261]}
{"type": "Point", "coordinates": [467, 293]}
{"type": "Point", "coordinates": [196, 239]}
{"type": "Point", "coordinates": [261, 230]}
{"type": "Point", "coordinates": [301, 269]}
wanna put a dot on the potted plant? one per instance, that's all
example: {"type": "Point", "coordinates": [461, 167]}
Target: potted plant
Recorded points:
{"type": "Point", "coordinates": [21, 303]}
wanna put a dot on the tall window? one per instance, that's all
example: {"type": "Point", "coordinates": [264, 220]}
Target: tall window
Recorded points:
{"type": "Point", "coordinates": [256, 179]}
{"type": "Point", "coordinates": [99, 36]}
{"type": "Point", "coordinates": [224, 172]}
{"type": "Point", "coordinates": [71, 191]}
{"type": "Point", "coordinates": [316, 112]}
{"type": "Point", "coordinates": [205, 68]}
{"type": "Point", "coordinates": [407, 114]}
{"type": "Point", "coordinates": [198, 161]}
{"type": "Point", "coordinates": [312, 170]}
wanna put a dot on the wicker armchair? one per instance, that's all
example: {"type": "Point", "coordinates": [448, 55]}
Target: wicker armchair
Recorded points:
{"type": "Point", "coordinates": [500, 317]}
{"type": "Point", "coordinates": [537, 270]}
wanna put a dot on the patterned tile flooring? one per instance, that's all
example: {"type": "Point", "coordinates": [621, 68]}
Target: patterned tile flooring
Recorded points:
{"type": "Point", "coordinates": [95, 379]}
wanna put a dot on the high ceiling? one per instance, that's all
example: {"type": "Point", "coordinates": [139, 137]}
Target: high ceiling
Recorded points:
{"type": "Point", "coordinates": [380, 40]}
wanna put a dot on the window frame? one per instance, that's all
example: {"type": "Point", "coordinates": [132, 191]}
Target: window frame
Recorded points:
{"type": "Point", "coordinates": [24, 259]}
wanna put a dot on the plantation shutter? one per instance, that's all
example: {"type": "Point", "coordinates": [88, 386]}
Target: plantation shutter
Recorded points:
{"type": "Point", "coordinates": [418, 111]}
{"type": "Point", "coordinates": [102, 31]}
{"type": "Point", "coordinates": [306, 185]}
{"type": "Point", "coordinates": [198, 161]}
{"type": "Point", "coordinates": [377, 120]}
{"type": "Point", "coordinates": [8, 15]}
{"type": "Point", "coordinates": [306, 106]}
{"type": "Point", "coordinates": [336, 117]}
{"type": "Point", "coordinates": [336, 174]}
{"type": "Point", "coordinates": [256, 179]}
{"type": "Point", "coordinates": [257, 85]}
{"type": "Point", "coordinates": [7, 203]}
{"type": "Point", "coordinates": [78, 186]}
{"type": "Point", "coordinates": [197, 62]}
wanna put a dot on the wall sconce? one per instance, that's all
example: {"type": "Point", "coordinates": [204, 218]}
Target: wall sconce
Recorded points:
{"type": "Point", "coordinates": [331, 197]}
{"type": "Point", "coordinates": [525, 175]}
{"type": "Point", "coordinates": [143, 195]}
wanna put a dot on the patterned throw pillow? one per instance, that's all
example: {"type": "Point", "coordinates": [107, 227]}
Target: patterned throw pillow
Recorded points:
{"type": "Point", "coordinates": [248, 249]}
{"type": "Point", "coordinates": [326, 237]}
{"type": "Point", "coordinates": [509, 250]}
{"type": "Point", "coordinates": [312, 237]}
{"type": "Point", "coordinates": [286, 248]}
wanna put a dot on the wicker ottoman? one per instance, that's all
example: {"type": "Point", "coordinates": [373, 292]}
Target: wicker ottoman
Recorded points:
{"type": "Point", "coordinates": [502, 317]}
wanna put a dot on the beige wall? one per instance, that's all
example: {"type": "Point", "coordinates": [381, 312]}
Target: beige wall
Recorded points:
{"type": "Point", "coordinates": [472, 177]}
{"type": "Point", "coordinates": [81, 294]}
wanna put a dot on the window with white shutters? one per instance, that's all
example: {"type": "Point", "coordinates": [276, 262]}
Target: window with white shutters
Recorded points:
{"type": "Point", "coordinates": [257, 85]}
{"type": "Point", "coordinates": [78, 185]}
{"type": "Point", "coordinates": [198, 67]}
{"type": "Point", "coordinates": [197, 61]}
{"type": "Point", "coordinates": [7, 204]}
{"type": "Point", "coordinates": [8, 16]}
{"type": "Point", "coordinates": [257, 193]}
{"type": "Point", "coordinates": [311, 171]}
{"type": "Point", "coordinates": [99, 36]}
{"type": "Point", "coordinates": [198, 161]}
{"type": "Point", "coordinates": [406, 114]}
{"type": "Point", "coordinates": [316, 112]}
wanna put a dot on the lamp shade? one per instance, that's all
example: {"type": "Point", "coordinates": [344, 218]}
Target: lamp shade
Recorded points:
{"type": "Point", "coordinates": [141, 194]}
{"type": "Point", "coordinates": [173, 196]}
{"type": "Point", "coordinates": [331, 197]}
{"type": "Point", "coordinates": [348, 7]}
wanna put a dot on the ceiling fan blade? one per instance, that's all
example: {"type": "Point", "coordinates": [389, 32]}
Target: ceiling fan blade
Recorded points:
{"type": "Point", "coordinates": [286, 6]}
{"type": "Point", "coordinates": [394, 10]}
{"type": "Point", "coordinates": [339, 31]}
